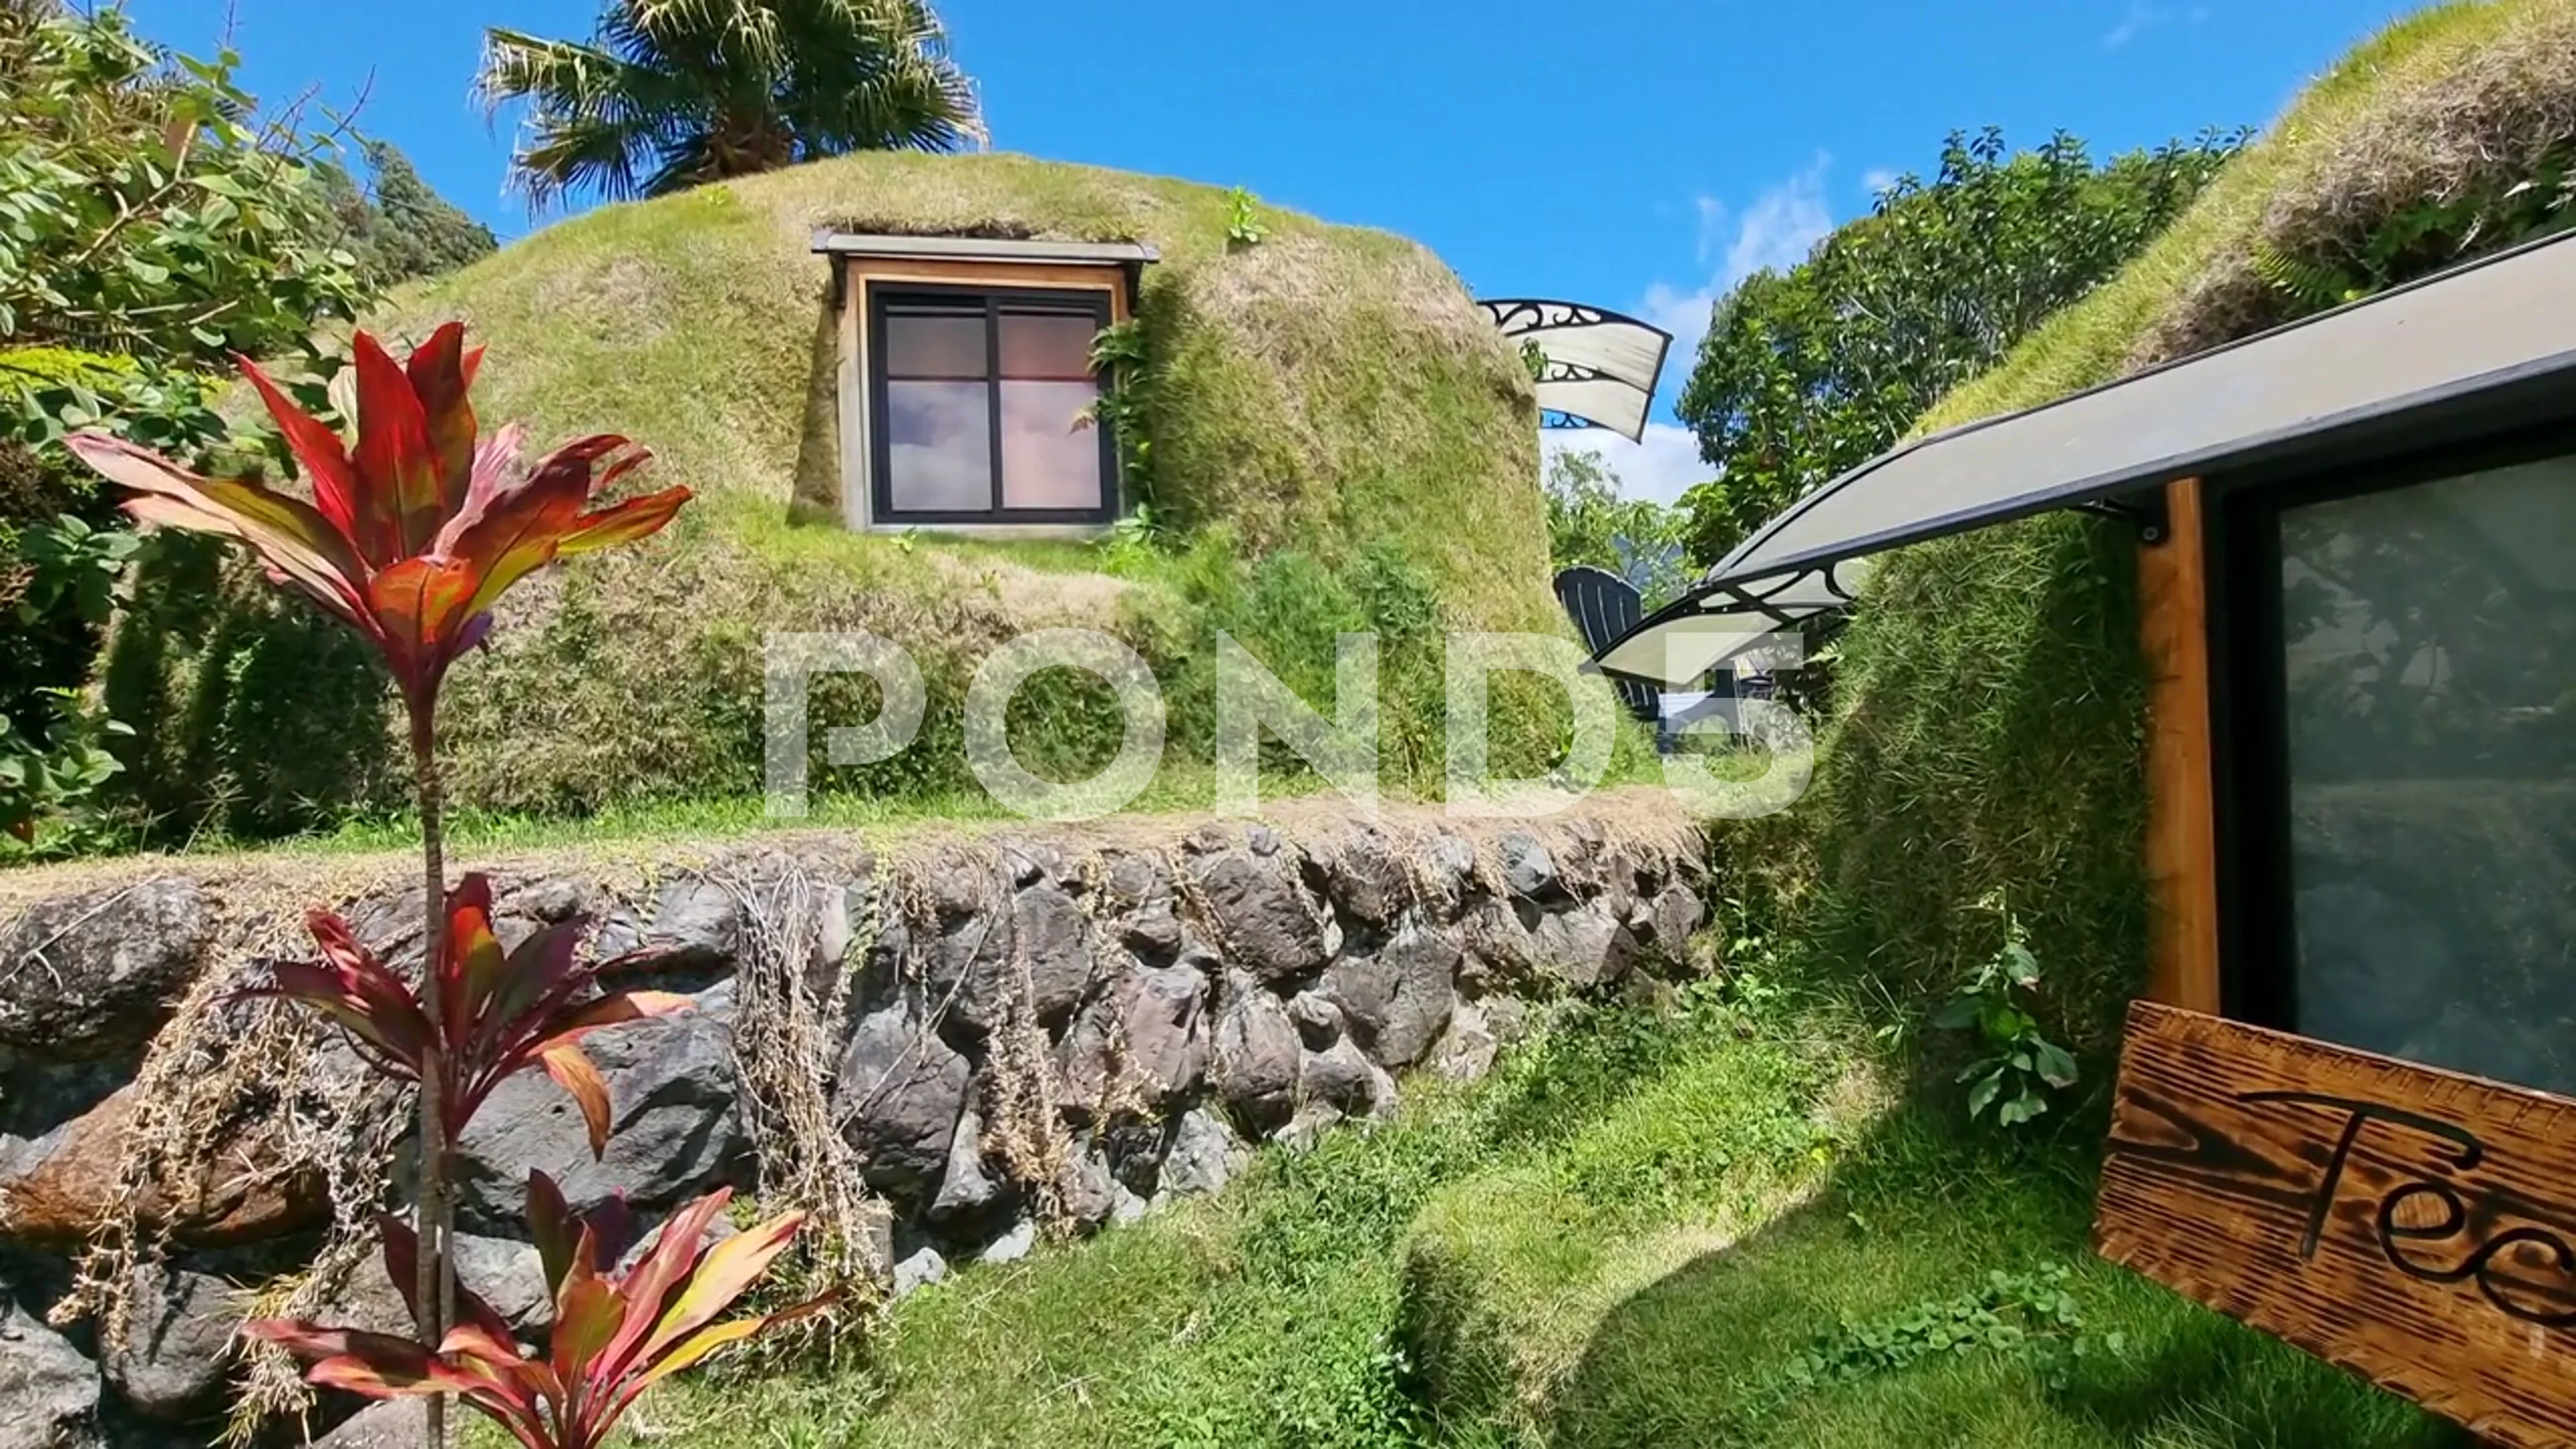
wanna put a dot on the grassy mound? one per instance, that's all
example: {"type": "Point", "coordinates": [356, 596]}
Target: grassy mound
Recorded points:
{"type": "Point", "coordinates": [1510, 1273]}
{"type": "Point", "coordinates": [1990, 731]}
{"type": "Point", "coordinates": [1329, 392]}
{"type": "Point", "coordinates": [1319, 404]}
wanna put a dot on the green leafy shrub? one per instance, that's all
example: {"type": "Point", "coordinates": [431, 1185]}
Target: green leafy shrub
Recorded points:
{"type": "Point", "coordinates": [2032, 1315]}
{"type": "Point", "coordinates": [2015, 1067]}
{"type": "Point", "coordinates": [42, 776]}
{"type": "Point", "coordinates": [152, 225]}
{"type": "Point", "coordinates": [145, 210]}
{"type": "Point", "coordinates": [1807, 373]}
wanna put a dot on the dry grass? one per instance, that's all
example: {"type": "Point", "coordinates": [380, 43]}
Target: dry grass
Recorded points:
{"type": "Point", "coordinates": [2438, 102]}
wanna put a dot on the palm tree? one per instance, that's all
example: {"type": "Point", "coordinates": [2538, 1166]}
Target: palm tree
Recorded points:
{"type": "Point", "coordinates": [669, 94]}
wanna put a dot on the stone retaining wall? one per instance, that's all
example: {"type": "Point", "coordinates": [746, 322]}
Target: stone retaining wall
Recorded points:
{"type": "Point", "coordinates": [999, 1036]}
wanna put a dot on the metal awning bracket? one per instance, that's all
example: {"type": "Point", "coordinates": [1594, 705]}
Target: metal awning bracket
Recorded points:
{"type": "Point", "coordinates": [2143, 510]}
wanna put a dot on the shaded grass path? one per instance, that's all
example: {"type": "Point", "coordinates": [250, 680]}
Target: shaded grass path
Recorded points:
{"type": "Point", "coordinates": [1644, 1230]}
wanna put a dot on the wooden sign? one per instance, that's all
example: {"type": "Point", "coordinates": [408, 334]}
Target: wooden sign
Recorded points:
{"type": "Point", "coordinates": [2410, 1224]}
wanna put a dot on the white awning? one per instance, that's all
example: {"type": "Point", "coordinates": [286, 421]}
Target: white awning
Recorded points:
{"type": "Point", "coordinates": [1678, 645]}
{"type": "Point", "coordinates": [2483, 347]}
{"type": "Point", "coordinates": [1601, 368]}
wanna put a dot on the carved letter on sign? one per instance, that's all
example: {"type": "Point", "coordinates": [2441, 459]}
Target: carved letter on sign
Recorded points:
{"type": "Point", "coordinates": [2415, 1226]}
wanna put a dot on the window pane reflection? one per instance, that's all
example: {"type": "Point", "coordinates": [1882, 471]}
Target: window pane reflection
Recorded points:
{"type": "Point", "coordinates": [1050, 453]}
{"type": "Point", "coordinates": [2430, 665]}
{"type": "Point", "coordinates": [939, 445]}
{"type": "Point", "coordinates": [935, 345]}
{"type": "Point", "coordinates": [1047, 347]}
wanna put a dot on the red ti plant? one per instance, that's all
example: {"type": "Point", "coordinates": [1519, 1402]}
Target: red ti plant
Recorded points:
{"type": "Point", "coordinates": [500, 1013]}
{"type": "Point", "coordinates": [615, 1334]}
{"type": "Point", "coordinates": [415, 529]}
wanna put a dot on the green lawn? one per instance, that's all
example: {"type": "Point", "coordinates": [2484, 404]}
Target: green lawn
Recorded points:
{"type": "Point", "coordinates": [1693, 1230]}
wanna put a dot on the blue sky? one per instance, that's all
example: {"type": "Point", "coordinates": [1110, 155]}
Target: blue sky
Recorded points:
{"type": "Point", "coordinates": [1637, 155]}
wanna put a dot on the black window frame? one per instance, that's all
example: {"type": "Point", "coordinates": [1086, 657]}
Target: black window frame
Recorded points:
{"type": "Point", "coordinates": [2249, 725]}
{"type": "Point", "coordinates": [1094, 303]}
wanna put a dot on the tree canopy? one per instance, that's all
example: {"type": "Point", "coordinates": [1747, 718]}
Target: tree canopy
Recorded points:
{"type": "Point", "coordinates": [669, 94]}
{"type": "Point", "coordinates": [1807, 373]}
{"type": "Point", "coordinates": [1589, 521]}
{"type": "Point", "coordinates": [397, 227]}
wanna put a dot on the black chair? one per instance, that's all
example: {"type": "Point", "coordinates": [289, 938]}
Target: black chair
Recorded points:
{"type": "Point", "coordinates": [1603, 607]}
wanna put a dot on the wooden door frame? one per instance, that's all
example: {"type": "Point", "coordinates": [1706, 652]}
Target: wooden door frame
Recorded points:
{"type": "Point", "coordinates": [2182, 832]}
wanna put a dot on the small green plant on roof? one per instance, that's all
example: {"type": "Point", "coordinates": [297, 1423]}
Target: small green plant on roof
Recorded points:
{"type": "Point", "coordinates": [1243, 224]}
{"type": "Point", "coordinates": [2016, 1068]}
{"type": "Point", "coordinates": [2431, 233]}
{"type": "Point", "coordinates": [1125, 406]}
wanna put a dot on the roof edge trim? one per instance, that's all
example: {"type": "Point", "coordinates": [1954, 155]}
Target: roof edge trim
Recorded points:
{"type": "Point", "coordinates": [835, 242]}
{"type": "Point", "coordinates": [2188, 463]}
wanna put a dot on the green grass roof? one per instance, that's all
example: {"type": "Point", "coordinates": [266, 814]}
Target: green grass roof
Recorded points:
{"type": "Point", "coordinates": [1329, 390]}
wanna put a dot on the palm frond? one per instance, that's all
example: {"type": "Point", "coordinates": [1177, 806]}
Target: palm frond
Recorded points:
{"type": "Point", "coordinates": [672, 93]}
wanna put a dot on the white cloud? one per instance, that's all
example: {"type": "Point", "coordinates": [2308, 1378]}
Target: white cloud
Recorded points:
{"type": "Point", "coordinates": [1777, 231]}
{"type": "Point", "coordinates": [2146, 15]}
{"type": "Point", "coordinates": [1659, 468]}
{"type": "Point", "coordinates": [1782, 226]}
{"type": "Point", "coordinates": [1875, 180]}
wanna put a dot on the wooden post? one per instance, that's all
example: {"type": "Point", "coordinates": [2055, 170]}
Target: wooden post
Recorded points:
{"type": "Point", "coordinates": [2182, 835]}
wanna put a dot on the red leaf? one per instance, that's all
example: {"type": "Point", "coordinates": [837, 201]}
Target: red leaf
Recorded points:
{"type": "Point", "coordinates": [540, 963]}
{"type": "Point", "coordinates": [416, 528]}
{"type": "Point", "coordinates": [422, 607]}
{"type": "Point", "coordinates": [574, 1073]}
{"type": "Point", "coordinates": [470, 960]}
{"type": "Point", "coordinates": [325, 462]}
{"type": "Point", "coordinates": [610, 1010]}
{"type": "Point", "coordinates": [377, 1365]}
{"type": "Point", "coordinates": [727, 1270]}
{"type": "Point", "coordinates": [402, 1265]}
{"type": "Point", "coordinates": [290, 535]}
{"type": "Point", "coordinates": [552, 1227]}
{"type": "Point", "coordinates": [394, 462]}
{"type": "Point", "coordinates": [589, 1313]}
{"type": "Point", "coordinates": [673, 1256]}
{"type": "Point", "coordinates": [439, 379]}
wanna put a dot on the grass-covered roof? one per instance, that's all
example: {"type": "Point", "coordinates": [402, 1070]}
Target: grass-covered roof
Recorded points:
{"type": "Point", "coordinates": [1989, 742]}
{"type": "Point", "coordinates": [1339, 440]}
{"type": "Point", "coordinates": [1325, 386]}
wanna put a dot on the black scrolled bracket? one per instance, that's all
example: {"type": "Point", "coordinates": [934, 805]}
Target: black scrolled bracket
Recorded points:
{"type": "Point", "coordinates": [2143, 510]}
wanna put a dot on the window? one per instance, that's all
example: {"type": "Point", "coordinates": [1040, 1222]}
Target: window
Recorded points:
{"type": "Point", "coordinates": [982, 407]}
{"type": "Point", "coordinates": [2411, 687]}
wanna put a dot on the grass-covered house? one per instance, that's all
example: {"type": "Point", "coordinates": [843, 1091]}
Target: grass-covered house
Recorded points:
{"type": "Point", "coordinates": [1234, 417]}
